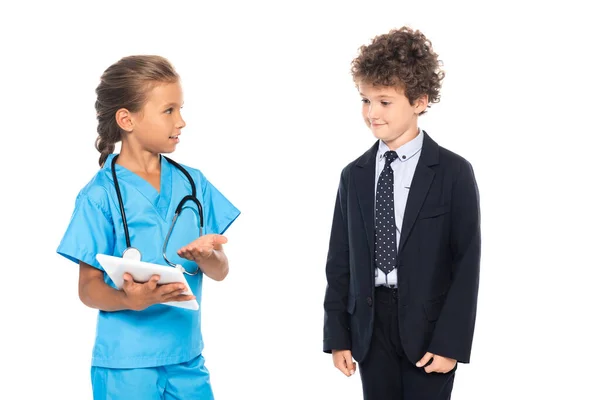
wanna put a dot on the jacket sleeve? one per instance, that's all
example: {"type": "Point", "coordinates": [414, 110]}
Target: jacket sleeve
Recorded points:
{"type": "Point", "coordinates": [453, 334]}
{"type": "Point", "coordinates": [336, 327]}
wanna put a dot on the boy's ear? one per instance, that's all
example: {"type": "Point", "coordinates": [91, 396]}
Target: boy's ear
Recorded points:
{"type": "Point", "coordinates": [421, 104]}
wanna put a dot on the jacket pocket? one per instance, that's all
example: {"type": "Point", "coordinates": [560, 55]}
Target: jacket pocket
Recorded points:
{"type": "Point", "coordinates": [431, 212]}
{"type": "Point", "coordinates": [433, 308]}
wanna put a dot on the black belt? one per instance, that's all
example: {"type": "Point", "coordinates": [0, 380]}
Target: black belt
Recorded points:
{"type": "Point", "coordinates": [386, 294]}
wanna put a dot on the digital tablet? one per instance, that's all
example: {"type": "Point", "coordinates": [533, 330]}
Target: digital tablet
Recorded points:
{"type": "Point", "coordinates": [142, 271]}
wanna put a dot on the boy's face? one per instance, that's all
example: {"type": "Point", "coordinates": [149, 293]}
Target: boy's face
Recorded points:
{"type": "Point", "coordinates": [389, 114]}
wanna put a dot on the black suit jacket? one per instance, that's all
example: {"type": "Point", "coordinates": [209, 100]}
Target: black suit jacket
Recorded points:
{"type": "Point", "coordinates": [438, 258]}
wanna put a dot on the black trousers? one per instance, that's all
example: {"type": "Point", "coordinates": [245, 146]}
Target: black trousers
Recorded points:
{"type": "Point", "coordinates": [385, 373]}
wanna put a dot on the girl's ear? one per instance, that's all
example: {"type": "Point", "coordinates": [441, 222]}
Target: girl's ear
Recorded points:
{"type": "Point", "coordinates": [124, 120]}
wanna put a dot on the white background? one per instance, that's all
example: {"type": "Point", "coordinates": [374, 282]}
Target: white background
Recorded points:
{"type": "Point", "coordinates": [272, 118]}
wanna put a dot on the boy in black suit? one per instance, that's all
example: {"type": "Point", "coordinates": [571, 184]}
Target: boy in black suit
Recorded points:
{"type": "Point", "coordinates": [404, 253]}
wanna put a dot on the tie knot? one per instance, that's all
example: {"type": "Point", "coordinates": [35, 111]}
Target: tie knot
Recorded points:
{"type": "Point", "coordinates": [390, 156]}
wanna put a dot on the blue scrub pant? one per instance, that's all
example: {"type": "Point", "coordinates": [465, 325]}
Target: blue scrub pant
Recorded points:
{"type": "Point", "coordinates": [189, 380]}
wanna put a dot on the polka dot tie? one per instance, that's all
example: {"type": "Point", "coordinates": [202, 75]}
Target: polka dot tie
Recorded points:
{"type": "Point", "coordinates": [385, 220]}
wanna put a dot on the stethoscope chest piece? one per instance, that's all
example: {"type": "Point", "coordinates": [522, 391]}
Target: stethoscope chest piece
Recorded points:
{"type": "Point", "coordinates": [131, 253]}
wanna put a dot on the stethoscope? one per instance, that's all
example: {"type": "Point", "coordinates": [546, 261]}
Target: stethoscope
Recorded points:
{"type": "Point", "coordinates": [132, 252]}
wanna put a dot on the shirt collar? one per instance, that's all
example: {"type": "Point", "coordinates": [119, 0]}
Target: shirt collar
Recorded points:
{"type": "Point", "coordinates": [406, 151]}
{"type": "Point", "coordinates": [108, 161]}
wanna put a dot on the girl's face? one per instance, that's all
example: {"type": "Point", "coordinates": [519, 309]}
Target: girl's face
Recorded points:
{"type": "Point", "coordinates": [157, 126]}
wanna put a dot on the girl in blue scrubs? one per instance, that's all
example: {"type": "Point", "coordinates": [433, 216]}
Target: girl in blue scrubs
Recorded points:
{"type": "Point", "coordinates": [144, 349]}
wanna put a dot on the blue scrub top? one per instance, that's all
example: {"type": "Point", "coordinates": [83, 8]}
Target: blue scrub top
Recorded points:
{"type": "Point", "coordinates": [160, 334]}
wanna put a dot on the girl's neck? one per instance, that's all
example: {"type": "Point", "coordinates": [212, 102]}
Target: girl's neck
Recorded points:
{"type": "Point", "coordinates": [138, 160]}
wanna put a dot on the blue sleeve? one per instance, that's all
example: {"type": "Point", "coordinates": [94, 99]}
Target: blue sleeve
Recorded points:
{"type": "Point", "coordinates": [90, 232]}
{"type": "Point", "coordinates": [218, 212]}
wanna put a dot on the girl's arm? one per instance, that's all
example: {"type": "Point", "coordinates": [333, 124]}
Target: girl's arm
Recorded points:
{"type": "Point", "coordinates": [95, 293]}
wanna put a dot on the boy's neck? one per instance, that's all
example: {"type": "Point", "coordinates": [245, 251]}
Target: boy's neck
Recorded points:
{"type": "Point", "coordinates": [404, 138]}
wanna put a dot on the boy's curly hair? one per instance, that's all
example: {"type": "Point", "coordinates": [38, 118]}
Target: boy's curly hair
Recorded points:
{"type": "Point", "coordinates": [403, 57]}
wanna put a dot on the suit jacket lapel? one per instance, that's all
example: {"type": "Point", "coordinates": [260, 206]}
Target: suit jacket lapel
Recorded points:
{"type": "Point", "coordinates": [419, 188]}
{"type": "Point", "coordinates": [365, 187]}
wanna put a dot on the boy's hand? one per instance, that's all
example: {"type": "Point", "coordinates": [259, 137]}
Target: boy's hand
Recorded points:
{"type": "Point", "coordinates": [342, 359]}
{"type": "Point", "coordinates": [440, 364]}
{"type": "Point", "coordinates": [202, 248]}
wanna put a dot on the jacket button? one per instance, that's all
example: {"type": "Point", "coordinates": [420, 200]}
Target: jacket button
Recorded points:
{"type": "Point", "coordinates": [370, 301]}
